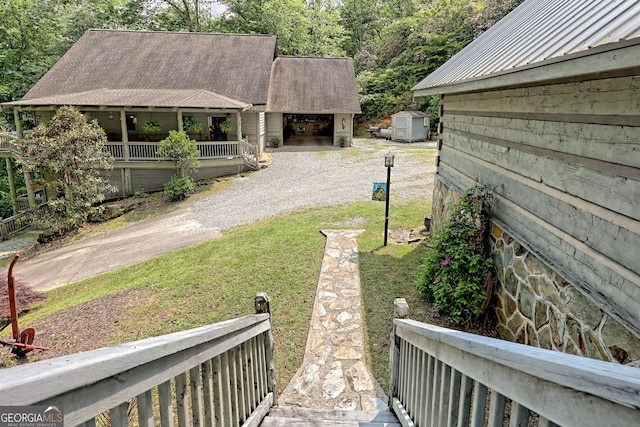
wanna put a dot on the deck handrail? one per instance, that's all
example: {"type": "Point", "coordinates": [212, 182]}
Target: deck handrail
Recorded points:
{"type": "Point", "coordinates": [7, 142]}
{"type": "Point", "coordinates": [442, 377]}
{"type": "Point", "coordinates": [220, 374]}
{"type": "Point", "coordinates": [21, 221]}
{"type": "Point", "coordinates": [250, 154]}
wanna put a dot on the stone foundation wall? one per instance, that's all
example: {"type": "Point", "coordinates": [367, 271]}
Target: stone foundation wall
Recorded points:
{"type": "Point", "coordinates": [536, 306]}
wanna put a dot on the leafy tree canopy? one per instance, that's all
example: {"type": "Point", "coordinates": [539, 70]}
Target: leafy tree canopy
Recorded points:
{"type": "Point", "coordinates": [394, 43]}
{"type": "Point", "coordinates": [70, 158]}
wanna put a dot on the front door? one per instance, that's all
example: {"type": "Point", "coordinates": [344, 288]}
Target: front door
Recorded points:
{"type": "Point", "coordinates": [215, 131]}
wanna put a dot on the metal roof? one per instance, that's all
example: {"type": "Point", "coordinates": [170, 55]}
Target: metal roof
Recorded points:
{"type": "Point", "coordinates": [538, 32]}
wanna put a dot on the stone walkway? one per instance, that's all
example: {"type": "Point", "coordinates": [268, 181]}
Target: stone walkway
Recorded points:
{"type": "Point", "coordinates": [334, 374]}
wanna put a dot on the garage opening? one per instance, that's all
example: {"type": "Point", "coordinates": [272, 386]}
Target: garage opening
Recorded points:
{"type": "Point", "coordinates": [308, 129]}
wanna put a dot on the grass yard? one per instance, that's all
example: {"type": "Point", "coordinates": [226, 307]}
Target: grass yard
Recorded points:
{"type": "Point", "coordinates": [217, 280]}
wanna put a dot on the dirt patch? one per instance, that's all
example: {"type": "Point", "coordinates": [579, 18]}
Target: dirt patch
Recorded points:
{"type": "Point", "coordinates": [87, 326]}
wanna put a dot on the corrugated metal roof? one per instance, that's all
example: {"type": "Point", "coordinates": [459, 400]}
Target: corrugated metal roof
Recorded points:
{"type": "Point", "coordinates": [538, 31]}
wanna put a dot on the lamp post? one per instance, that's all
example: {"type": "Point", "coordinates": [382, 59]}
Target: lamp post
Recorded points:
{"type": "Point", "coordinates": [388, 163]}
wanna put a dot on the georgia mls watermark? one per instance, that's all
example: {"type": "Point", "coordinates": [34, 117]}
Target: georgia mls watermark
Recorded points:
{"type": "Point", "coordinates": [31, 416]}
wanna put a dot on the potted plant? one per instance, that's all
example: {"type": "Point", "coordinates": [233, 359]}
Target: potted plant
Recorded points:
{"type": "Point", "coordinates": [151, 126]}
{"type": "Point", "coordinates": [342, 141]}
{"type": "Point", "coordinates": [226, 126]}
{"type": "Point", "coordinates": [275, 142]}
{"type": "Point", "coordinates": [193, 126]}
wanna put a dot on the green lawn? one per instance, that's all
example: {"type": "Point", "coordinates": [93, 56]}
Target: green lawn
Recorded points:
{"type": "Point", "coordinates": [217, 280]}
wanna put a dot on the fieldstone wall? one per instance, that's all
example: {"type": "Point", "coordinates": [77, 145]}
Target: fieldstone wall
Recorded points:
{"type": "Point", "coordinates": [536, 306]}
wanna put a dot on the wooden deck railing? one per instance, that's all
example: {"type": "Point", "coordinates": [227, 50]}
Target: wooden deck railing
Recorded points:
{"type": "Point", "coordinates": [441, 377]}
{"type": "Point", "coordinates": [19, 222]}
{"type": "Point", "coordinates": [217, 375]}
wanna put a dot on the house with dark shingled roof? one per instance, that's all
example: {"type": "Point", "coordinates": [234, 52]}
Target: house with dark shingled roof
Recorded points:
{"type": "Point", "coordinates": [232, 93]}
{"type": "Point", "coordinates": [544, 108]}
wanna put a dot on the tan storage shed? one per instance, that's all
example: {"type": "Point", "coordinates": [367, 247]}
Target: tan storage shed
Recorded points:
{"type": "Point", "coordinates": [410, 126]}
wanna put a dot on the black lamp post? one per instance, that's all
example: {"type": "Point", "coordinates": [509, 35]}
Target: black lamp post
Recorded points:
{"type": "Point", "coordinates": [388, 163]}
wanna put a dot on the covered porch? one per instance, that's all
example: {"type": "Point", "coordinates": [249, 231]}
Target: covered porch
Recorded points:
{"type": "Point", "coordinates": [134, 135]}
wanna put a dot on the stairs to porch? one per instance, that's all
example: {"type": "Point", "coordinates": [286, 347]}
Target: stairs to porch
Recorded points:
{"type": "Point", "coordinates": [293, 416]}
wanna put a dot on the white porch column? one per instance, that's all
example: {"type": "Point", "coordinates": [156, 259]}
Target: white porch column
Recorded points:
{"type": "Point", "coordinates": [180, 124]}
{"type": "Point", "coordinates": [239, 129]}
{"type": "Point", "coordinates": [125, 135]}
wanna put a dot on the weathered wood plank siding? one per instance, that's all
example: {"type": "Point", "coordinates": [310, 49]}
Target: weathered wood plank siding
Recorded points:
{"type": "Point", "coordinates": [564, 160]}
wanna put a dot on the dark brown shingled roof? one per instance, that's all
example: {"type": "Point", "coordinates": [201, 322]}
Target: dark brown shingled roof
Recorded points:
{"type": "Point", "coordinates": [313, 85]}
{"type": "Point", "coordinates": [139, 98]}
{"type": "Point", "coordinates": [231, 65]}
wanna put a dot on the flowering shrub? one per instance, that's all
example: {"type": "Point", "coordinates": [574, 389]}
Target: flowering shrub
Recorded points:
{"type": "Point", "coordinates": [454, 274]}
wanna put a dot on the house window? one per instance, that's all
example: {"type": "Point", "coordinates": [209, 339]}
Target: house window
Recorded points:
{"type": "Point", "coordinates": [131, 122]}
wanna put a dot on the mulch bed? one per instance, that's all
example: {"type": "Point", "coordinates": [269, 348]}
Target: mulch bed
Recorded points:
{"type": "Point", "coordinates": [24, 298]}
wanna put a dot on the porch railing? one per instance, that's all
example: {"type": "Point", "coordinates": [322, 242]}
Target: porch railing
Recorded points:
{"type": "Point", "coordinates": [441, 377]}
{"type": "Point", "coordinates": [217, 375]}
{"type": "Point", "coordinates": [19, 222]}
{"type": "Point", "coordinates": [7, 142]}
{"type": "Point", "coordinates": [142, 151]}
{"type": "Point", "coordinates": [148, 151]}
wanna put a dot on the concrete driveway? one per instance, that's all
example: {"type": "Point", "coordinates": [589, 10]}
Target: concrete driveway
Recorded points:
{"type": "Point", "coordinates": [111, 250]}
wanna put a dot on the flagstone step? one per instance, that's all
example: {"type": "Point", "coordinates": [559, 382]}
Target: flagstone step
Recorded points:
{"type": "Point", "coordinates": [292, 416]}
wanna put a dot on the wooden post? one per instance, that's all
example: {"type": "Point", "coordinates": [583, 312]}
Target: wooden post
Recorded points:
{"type": "Point", "coordinates": [261, 303]}
{"type": "Point", "coordinates": [239, 128]}
{"type": "Point", "coordinates": [16, 118]}
{"type": "Point", "coordinates": [400, 311]}
{"type": "Point", "coordinates": [12, 186]}
{"type": "Point", "coordinates": [180, 123]}
{"type": "Point", "coordinates": [125, 135]}
{"type": "Point", "coordinates": [30, 193]}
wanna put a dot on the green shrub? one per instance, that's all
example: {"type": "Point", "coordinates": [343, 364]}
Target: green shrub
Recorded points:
{"type": "Point", "coordinates": [139, 193]}
{"type": "Point", "coordinates": [179, 188]}
{"type": "Point", "coordinates": [456, 273]}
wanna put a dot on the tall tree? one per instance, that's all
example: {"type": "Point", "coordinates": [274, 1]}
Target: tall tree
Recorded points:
{"type": "Point", "coordinates": [412, 47]}
{"type": "Point", "coordinates": [35, 33]}
{"type": "Point", "coordinates": [31, 41]}
{"type": "Point", "coordinates": [363, 24]}
{"type": "Point", "coordinates": [325, 31]}
{"type": "Point", "coordinates": [185, 15]}
{"type": "Point", "coordinates": [286, 19]}
{"type": "Point", "coordinates": [70, 156]}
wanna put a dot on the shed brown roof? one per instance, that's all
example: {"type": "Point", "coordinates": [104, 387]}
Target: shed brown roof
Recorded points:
{"type": "Point", "coordinates": [313, 85]}
{"type": "Point", "coordinates": [232, 65]}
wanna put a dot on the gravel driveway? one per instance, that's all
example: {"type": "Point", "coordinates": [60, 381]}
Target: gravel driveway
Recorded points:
{"type": "Point", "coordinates": [302, 179]}
{"type": "Point", "coordinates": [294, 180]}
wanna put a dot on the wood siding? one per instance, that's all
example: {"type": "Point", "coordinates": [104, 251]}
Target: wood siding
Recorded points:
{"type": "Point", "coordinates": [253, 126]}
{"type": "Point", "coordinates": [564, 160]}
{"type": "Point", "coordinates": [274, 126]}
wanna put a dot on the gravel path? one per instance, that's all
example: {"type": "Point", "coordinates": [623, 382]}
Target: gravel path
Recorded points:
{"type": "Point", "coordinates": [302, 179]}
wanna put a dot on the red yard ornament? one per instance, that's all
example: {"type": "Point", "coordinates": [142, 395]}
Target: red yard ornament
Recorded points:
{"type": "Point", "coordinates": [22, 340]}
